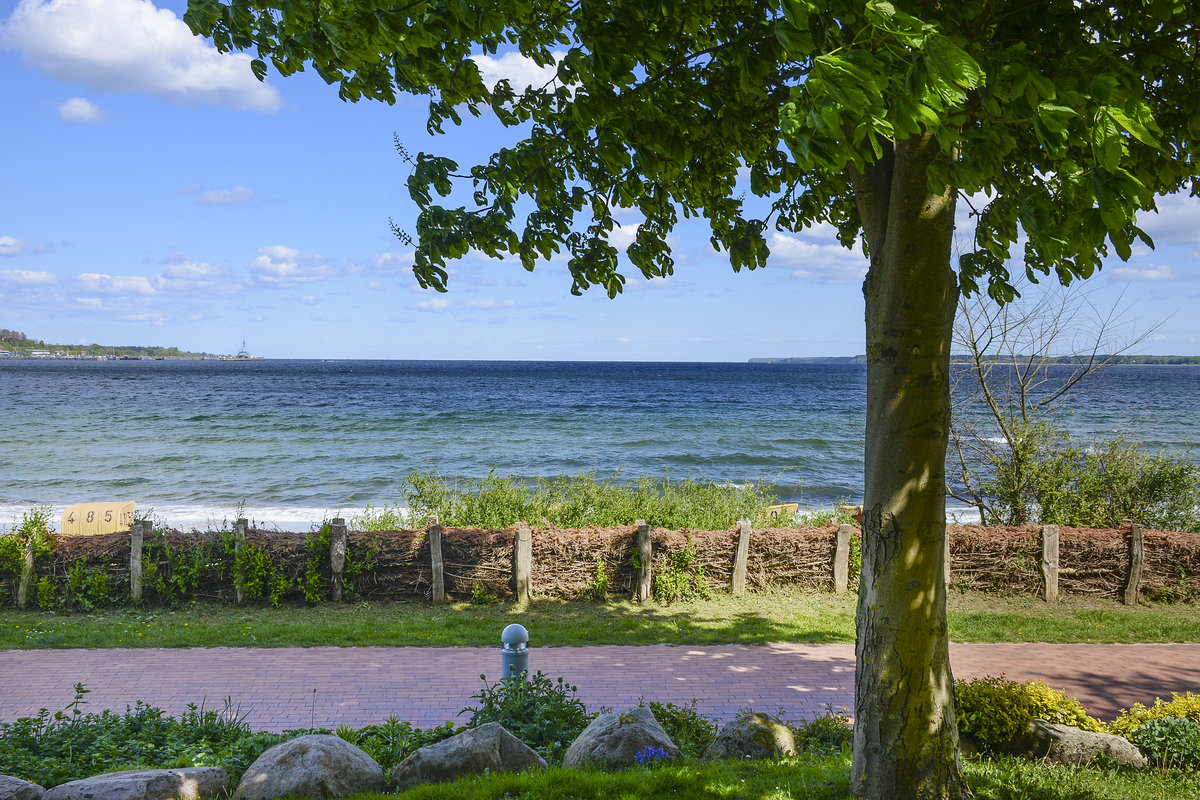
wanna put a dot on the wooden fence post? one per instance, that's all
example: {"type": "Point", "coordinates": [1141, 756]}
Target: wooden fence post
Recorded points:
{"type": "Point", "coordinates": [338, 542]}
{"type": "Point", "coordinates": [841, 559]}
{"type": "Point", "coordinates": [946, 558]}
{"type": "Point", "coordinates": [1050, 562]}
{"type": "Point", "coordinates": [738, 584]}
{"type": "Point", "coordinates": [26, 576]}
{"type": "Point", "coordinates": [435, 562]}
{"type": "Point", "coordinates": [1136, 554]}
{"type": "Point", "coordinates": [239, 574]}
{"type": "Point", "coordinates": [523, 563]}
{"type": "Point", "coordinates": [136, 534]}
{"type": "Point", "coordinates": [645, 554]}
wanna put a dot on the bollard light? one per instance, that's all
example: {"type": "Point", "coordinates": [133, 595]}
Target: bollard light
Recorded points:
{"type": "Point", "coordinates": [514, 651]}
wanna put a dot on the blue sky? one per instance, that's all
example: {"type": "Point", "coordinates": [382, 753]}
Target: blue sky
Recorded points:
{"type": "Point", "coordinates": [155, 193]}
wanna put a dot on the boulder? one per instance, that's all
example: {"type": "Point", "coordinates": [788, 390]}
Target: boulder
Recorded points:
{"type": "Point", "coordinates": [1063, 744]}
{"type": "Point", "coordinates": [192, 783]}
{"type": "Point", "coordinates": [316, 766]}
{"type": "Point", "coordinates": [16, 789]}
{"type": "Point", "coordinates": [615, 739]}
{"type": "Point", "coordinates": [755, 736]}
{"type": "Point", "coordinates": [488, 747]}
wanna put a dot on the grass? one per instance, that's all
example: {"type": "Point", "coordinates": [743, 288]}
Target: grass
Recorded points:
{"type": "Point", "coordinates": [760, 618]}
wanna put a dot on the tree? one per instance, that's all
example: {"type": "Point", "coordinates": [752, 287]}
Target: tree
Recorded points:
{"type": "Point", "coordinates": [1062, 119]}
{"type": "Point", "coordinates": [1026, 360]}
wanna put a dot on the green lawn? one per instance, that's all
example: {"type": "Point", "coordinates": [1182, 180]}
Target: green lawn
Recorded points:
{"type": "Point", "coordinates": [777, 616]}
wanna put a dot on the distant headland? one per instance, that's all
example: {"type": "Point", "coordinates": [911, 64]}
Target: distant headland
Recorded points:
{"type": "Point", "coordinates": [964, 359]}
{"type": "Point", "coordinates": [15, 344]}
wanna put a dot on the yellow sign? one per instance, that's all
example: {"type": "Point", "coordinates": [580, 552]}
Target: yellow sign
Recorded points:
{"type": "Point", "coordinates": [784, 512]}
{"type": "Point", "coordinates": [93, 519]}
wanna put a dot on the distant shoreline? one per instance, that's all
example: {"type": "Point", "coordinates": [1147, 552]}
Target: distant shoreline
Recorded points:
{"type": "Point", "coordinates": [959, 360]}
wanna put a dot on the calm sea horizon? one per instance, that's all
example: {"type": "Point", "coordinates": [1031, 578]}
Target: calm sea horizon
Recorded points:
{"type": "Point", "coordinates": [289, 443]}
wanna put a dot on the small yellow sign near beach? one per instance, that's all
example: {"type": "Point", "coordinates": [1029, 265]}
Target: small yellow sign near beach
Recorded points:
{"type": "Point", "coordinates": [785, 512]}
{"type": "Point", "coordinates": [93, 519]}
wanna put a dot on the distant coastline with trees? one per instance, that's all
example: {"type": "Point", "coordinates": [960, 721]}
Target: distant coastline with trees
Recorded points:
{"type": "Point", "coordinates": [962, 358]}
{"type": "Point", "coordinates": [15, 344]}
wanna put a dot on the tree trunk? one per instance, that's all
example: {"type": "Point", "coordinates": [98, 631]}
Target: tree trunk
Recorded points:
{"type": "Point", "coordinates": [905, 736]}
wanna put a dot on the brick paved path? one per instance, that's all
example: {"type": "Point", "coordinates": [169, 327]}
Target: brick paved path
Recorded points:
{"type": "Point", "coordinates": [326, 686]}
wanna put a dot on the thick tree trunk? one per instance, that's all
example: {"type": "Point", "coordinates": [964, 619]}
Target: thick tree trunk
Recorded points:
{"type": "Point", "coordinates": [905, 736]}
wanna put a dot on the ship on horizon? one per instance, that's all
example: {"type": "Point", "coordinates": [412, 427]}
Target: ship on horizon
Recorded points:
{"type": "Point", "coordinates": [243, 354]}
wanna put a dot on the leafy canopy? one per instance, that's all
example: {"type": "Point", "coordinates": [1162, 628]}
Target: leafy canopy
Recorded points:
{"type": "Point", "coordinates": [1066, 117]}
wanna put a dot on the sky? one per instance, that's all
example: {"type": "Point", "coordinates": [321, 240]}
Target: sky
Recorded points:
{"type": "Point", "coordinates": [155, 193]}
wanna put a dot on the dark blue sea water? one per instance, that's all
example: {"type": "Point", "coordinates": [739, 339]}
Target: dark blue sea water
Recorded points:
{"type": "Point", "coordinates": [295, 441]}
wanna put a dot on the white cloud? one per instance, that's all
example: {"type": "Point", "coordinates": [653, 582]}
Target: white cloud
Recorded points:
{"type": "Point", "coordinates": [132, 46]}
{"type": "Point", "coordinates": [283, 267]}
{"type": "Point", "coordinates": [1177, 221]}
{"type": "Point", "coordinates": [310, 300]}
{"type": "Point", "coordinates": [827, 262]}
{"type": "Point", "coordinates": [100, 283]}
{"type": "Point", "coordinates": [1149, 272]}
{"type": "Point", "coordinates": [185, 275]}
{"type": "Point", "coordinates": [155, 320]}
{"type": "Point", "coordinates": [434, 304]}
{"type": "Point", "coordinates": [10, 246]}
{"type": "Point", "coordinates": [490, 302]}
{"type": "Point", "coordinates": [392, 263]}
{"type": "Point", "coordinates": [238, 196]}
{"type": "Point", "coordinates": [521, 72]}
{"type": "Point", "coordinates": [78, 109]}
{"type": "Point", "coordinates": [24, 277]}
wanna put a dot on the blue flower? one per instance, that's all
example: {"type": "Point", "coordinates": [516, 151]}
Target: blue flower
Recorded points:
{"type": "Point", "coordinates": [649, 754]}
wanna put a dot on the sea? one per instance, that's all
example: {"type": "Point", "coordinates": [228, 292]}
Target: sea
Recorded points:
{"type": "Point", "coordinates": [289, 443]}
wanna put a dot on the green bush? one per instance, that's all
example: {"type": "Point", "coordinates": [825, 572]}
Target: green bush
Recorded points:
{"type": "Point", "coordinates": [995, 711]}
{"type": "Point", "coordinates": [568, 501]}
{"type": "Point", "coordinates": [1169, 741]}
{"type": "Point", "coordinates": [828, 732]}
{"type": "Point", "coordinates": [1186, 705]}
{"type": "Point", "coordinates": [394, 740]}
{"type": "Point", "coordinates": [691, 731]}
{"type": "Point", "coordinates": [544, 714]}
{"type": "Point", "coordinates": [70, 744]}
{"type": "Point", "coordinates": [681, 577]}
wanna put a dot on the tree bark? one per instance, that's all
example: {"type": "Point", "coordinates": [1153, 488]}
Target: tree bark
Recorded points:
{"type": "Point", "coordinates": [905, 735]}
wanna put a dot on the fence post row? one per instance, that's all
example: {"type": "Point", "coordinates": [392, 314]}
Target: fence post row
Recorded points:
{"type": "Point", "coordinates": [645, 551]}
{"type": "Point", "coordinates": [26, 576]}
{"type": "Point", "coordinates": [239, 574]}
{"type": "Point", "coordinates": [523, 563]}
{"type": "Point", "coordinates": [740, 558]}
{"type": "Point", "coordinates": [338, 540]}
{"type": "Point", "coordinates": [841, 559]}
{"type": "Point", "coordinates": [1050, 562]}
{"type": "Point", "coordinates": [1136, 559]}
{"type": "Point", "coordinates": [435, 561]}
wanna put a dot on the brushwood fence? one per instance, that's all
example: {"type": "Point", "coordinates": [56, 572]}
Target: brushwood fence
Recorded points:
{"type": "Point", "coordinates": [244, 565]}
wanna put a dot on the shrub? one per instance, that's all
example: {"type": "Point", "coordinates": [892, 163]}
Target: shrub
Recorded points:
{"type": "Point", "coordinates": [828, 732]}
{"type": "Point", "coordinates": [1185, 705]}
{"type": "Point", "coordinates": [1169, 741]}
{"type": "Point", "coordinates": [543, 714]}
{"type": "Point", "coordinates": [394, 740]}
{"type": "Point", "coordinates": [681, 577]}
{"type": "Point", "coordinates": [995, 711]}
{"type": "Point", "coordinates": [691, 731]}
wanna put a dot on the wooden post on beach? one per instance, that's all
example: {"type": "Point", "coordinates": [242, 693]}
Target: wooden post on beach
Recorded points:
{"type": "Point", "coordinates": [841, 559]}
{"type": "Point", "coordinates": [435, 561]}
{"type": "Point", "coordinates": [338, 542]}
{"type": "Point", "coordinates": [1136, 554]}
{"type": "Point", "coordinates": [26, 576]}
{"type": "Point", "coordinates": [645, 554]}
{"type": "Point", "coordinates": [239, 575]}
{"type": "Point", "coordinates": [136, 534]}
{"type": "Point", "coordinates": [740, 557]}
{"type": "Point", "coordinates": [1050, 562]}
{"type": "Point", "coordinates": [523, 563]}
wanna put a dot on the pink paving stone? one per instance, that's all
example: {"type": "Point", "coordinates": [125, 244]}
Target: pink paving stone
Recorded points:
{"type": "Point", "coordinates": [327, 686]}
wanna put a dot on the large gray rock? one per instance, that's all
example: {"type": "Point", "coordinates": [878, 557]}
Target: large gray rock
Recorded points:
{"type": "Point", "coordinates": [316, 766]}
{"type": "Point", "coordinates": [16, 789]}
{"type": "Point", "coordinates": [192, 783]}
{"type": "Point", "coordinates": [615, 739]}
{"type": "Point", "coordinates": [488, 747]}
{"type": "Point", "coordinates": [1063, 744]}
{"type": "Point", "coordinates": [755, 736]}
